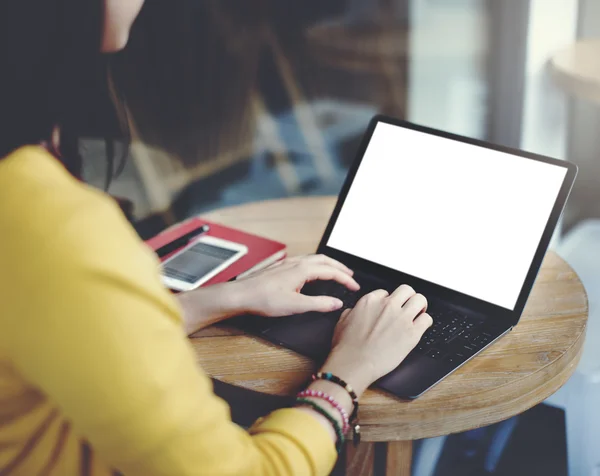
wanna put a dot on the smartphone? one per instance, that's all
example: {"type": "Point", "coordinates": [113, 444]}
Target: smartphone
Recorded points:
{"type": "Point", "coordinates": [200, 261]}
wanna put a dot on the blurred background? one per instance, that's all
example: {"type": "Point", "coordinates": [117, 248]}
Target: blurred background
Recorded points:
{"type": "Point", "coordinates": [235, 101]}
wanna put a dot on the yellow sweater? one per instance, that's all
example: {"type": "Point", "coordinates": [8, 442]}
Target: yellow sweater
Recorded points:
{"type": "Point", "coordinates": [96, 374]}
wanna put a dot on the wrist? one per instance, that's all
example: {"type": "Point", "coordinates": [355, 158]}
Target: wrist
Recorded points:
{"type": "Point", "coordinates": [334, 401]}
{"type": "Point", "coordinates": [322, 420]}
{"type": "Point", "coordinates": [334, 391]}
{"type": "Point", "coordinates": [207, 306]}
{"type": "Point", "coordinates": [357, 375]}
{"type": "Point", "coordinates": [246, 299]}
{"type": "Point", "coordinates": [236, 298]}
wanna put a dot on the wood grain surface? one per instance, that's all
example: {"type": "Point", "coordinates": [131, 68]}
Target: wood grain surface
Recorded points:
{"type": "Point", "coordinates": [398, 458]}
{"type": "Point", "coordinates": [519, 371]}
{"type": "Point", "coordinates": [360, 460]}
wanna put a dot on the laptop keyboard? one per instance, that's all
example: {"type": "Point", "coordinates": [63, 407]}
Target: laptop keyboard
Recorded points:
{"type": "Point", "coordinates": [453, 337]}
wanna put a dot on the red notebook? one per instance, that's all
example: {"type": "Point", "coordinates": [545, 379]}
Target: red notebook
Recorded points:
{"type": "Point", "coordinates": [262, 252]}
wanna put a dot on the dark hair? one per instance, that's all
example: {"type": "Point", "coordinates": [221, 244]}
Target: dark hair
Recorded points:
{"type": "Point", "coordinates": [52, 72]}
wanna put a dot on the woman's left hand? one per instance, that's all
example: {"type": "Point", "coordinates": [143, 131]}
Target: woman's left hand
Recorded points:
{"type": "Point", "coordinates": [275, 291]}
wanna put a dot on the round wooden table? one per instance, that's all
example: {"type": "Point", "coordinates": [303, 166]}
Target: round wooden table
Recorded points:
{"type": "Point", "coordinates": [518, 372]}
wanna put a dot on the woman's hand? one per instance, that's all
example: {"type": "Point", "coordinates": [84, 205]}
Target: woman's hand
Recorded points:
{"type": "Point", "coordinates": [275, 291]}
{"type": "Point", "coordinates": [372, 339]}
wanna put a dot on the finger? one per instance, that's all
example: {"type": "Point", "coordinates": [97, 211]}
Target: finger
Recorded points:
{"type": "Point", "coordinates": [402, 294]}
{"type": "Point", "coordinates": [323, 259]}
{"type": "Point", "coordinates": [302, 303]}
{"type": "Point", "coordinates": [377, 294]}
{"type": "Point", "coordinates": [423, 322]}
{"type": "Point", "coordinates": [329, 273]}
{"type": "Point", "coordinates": [345, 314]}
{"type": "Point", "coordinates": [415, 305]}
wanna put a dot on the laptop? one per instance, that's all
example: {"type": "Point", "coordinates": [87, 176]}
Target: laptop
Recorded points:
{"type": "Point", "coordinates": [464, 222]}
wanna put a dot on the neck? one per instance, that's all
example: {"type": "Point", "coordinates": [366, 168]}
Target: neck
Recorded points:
{"type": "Point", "coordinates": [53, 145]}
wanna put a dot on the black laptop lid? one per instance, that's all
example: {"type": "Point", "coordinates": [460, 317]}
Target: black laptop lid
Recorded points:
{"type": "Point", "coordinates": [449, 215]}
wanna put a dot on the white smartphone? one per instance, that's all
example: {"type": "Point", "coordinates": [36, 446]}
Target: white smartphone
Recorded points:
{"type": "Point", "coordinates": [200, 261]}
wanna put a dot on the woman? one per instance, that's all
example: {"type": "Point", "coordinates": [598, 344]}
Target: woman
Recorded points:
{"type": "Point", "coordinates": [96, 373]}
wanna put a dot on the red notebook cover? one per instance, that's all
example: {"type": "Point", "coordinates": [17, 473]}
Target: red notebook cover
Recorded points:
{"type": "Point", "coordinates": [261, 251]}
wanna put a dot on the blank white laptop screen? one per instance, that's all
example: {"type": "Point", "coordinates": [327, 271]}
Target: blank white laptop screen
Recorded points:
{"type": "Point", "coordinates": [455, 214]}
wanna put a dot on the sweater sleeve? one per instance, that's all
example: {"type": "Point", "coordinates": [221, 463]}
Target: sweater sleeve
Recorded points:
{"type": "Point", "coordinates": [103, 340]}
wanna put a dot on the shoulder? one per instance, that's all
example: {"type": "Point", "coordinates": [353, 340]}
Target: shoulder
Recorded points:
{"type": "Point", "coordinates": [60, 239]}
{"type": "Point", "coordinates": [52, 223]}
{"type": "Point", "coordinates": [36, 191]}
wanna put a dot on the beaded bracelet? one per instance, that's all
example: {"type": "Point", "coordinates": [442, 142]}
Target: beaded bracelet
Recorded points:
{"type": "Point", "coordinates": [338, 381]}
{"type": "Point", "coordinates": [336, 426]}
{"type": "Point", "coordinates": [332, 402]}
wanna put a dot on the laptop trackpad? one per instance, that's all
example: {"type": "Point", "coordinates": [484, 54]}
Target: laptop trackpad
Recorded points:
{"type": "Point", "coordinates": [311, 335]}
{"type": "Point", "coordinates": [414, 376]}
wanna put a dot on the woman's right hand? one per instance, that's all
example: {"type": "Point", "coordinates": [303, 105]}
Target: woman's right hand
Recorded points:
{"type": "Point", "coordinates": [372, 339]}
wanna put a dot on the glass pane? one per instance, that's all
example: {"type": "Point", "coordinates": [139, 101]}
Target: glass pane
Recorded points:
{"type": "Point", "coordinates": [240, 101]}
{"type": "Point", "coordinates": [449, 51]}
{"type": "Point", "coordinates": [237, 101]}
